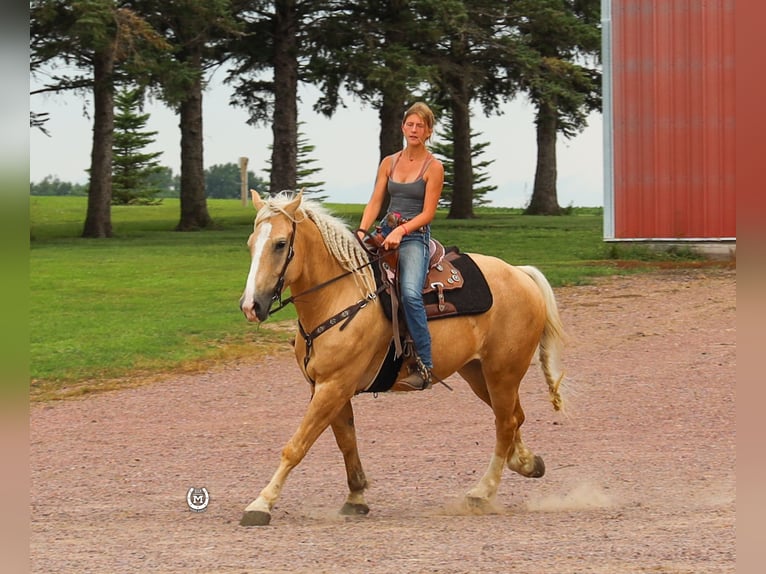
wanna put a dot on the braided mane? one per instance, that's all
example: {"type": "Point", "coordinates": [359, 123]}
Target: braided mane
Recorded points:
{"type": "Point", "coordinates": [337, 237]}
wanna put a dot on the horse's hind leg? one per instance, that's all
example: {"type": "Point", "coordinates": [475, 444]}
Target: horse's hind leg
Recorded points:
{"type": "Point", "coordinates": [509, 448]}
{"type": "Point", "coordinates": [502, 396]}
{"type": "Point", "coordinates": [521, 459]}
{"type": "Point", "coordinates": [345, 436]}
{"type": "Point", "coordinates": [479, 496]}
{"type": "Point", "coordinates": [474, 376]}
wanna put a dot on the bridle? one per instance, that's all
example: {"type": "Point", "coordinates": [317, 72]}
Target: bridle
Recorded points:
{"type": "Point", "coordinates": [279, 286]}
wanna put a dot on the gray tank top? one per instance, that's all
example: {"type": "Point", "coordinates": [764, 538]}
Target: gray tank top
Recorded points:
{"type": "Point", "coordinates": [407, 198]}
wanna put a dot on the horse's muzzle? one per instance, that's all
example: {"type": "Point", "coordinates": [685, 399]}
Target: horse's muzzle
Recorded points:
{"type": "Point", "coordinates": [254, 310]}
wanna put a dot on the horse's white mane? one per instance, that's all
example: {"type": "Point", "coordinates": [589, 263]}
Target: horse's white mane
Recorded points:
{"type": "Point", "coordinates": [338, 238]}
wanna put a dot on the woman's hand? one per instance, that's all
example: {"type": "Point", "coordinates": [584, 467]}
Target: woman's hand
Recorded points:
{"type": "Point", "coordinates": [394, 238]}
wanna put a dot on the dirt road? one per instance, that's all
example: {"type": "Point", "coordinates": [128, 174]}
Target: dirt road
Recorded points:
{"type": "Point", "coordinates": [640, 472]}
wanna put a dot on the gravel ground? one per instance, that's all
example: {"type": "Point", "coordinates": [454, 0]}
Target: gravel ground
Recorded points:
{"type": "Point", "coordinates": [640, 470]}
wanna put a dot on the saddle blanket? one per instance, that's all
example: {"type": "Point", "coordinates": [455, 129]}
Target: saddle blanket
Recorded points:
{"type": "Point", "coordinates": [473, 298]}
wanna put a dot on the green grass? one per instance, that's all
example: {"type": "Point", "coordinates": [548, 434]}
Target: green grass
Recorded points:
{"type": "Point", "coordinates": [151, 300]}
{"type": "Point", "coordinates": [146, 300]}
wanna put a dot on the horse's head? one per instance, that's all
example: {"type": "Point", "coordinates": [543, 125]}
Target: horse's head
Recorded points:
{"type": "Point", "coordinates": [271, 250]}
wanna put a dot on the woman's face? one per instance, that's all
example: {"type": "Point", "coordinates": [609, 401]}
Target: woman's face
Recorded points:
{"type": "Point", "coordinates": [415, 130]}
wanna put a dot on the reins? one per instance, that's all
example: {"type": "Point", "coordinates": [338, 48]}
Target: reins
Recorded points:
{"type": "Point", "coordinates": [277, 296]}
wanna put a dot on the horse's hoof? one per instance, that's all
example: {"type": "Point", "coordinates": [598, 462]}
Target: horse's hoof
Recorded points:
{"type": "Point", "coordinates": [539, 469]}
{"type": "Point", "coordinates": [478, 505]}
{"type": "Point", "coordinates": [350, 509]}
{"type": "Point", "coordinates": [255, 518]}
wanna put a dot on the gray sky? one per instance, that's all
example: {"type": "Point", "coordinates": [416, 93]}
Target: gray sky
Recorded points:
{"type": "Point", "coordinates": [346, 146]}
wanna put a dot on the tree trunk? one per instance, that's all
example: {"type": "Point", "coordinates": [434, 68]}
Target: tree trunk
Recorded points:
{"type": "Point", "coordinates": [462, 185]}
{"type": "Point", "coordinates": [394, 92]}
{"type": "Point", "coordinates": [194, 214]}
{"type": "Point", "coordinates": [98, 220]}
{"type": "Point", "coordinates": [390, 138]}
{"type": "Point", "coordinates": [390, 115]}
{"type": "Point", "coordinates": [284, 151]}
{"type": "Point", "coordinates": [544, 200]}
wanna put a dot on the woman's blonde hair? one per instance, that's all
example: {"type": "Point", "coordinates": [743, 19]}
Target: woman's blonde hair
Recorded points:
{"type": "Point", "coordinates": [421, 110]}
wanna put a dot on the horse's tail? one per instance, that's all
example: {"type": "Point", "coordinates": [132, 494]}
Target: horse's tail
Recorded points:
{"type": "Point", "coordinates": [552, 341]}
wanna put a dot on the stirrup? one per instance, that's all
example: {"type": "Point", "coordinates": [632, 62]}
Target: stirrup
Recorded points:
{"type": "Point", "coordinates": [420, 377]}
{"type": "Point", "coordinates": [417, 379]}
{"type": "Point", "coordinates": [427, 375]}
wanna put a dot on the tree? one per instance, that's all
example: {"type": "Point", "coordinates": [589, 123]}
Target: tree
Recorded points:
{"type": "Point", "coordinates": [51, 185]}
{"type": "Point", "coordinates": [470, 56]}
{"type": "Point", "coordinates": [132, 167]}
{"type": "Point", "coordinates": [447, 52]}
{"type": "Point", "coordinates": [164, 180]}
{"type": "Point", "coordinates": [271, 46]}
{"type": "Point", "coordinates": [223, 181]}
{"type": "Point", "coordinates": [102, 41]}
{"type": "Point", "coordinates": [304, 169]}
{"type": "Point", "coordinates": [443, 149]}
{"type": "Point", "coordinates": [38, 119]}
{"type": "Point", "coordinates": [479, 172]}
{"type": "Point", "coordinates": [558, 39]}
{"type": "Point", "coordinates": [375, 59]}
{"type": "Point", "coordinates": [197, 32]}
{"type": "Point", "coordinates": [370, 48]}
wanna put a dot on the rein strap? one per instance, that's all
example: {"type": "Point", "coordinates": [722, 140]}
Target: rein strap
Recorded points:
{"type": "Point", "coordinates": [282, 304]}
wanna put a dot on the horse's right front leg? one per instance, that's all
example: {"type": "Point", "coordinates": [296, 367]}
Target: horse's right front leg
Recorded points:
{"type": "Point", "coordinates": [324, 407]}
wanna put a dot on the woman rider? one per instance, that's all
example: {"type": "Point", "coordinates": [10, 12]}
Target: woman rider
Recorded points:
{"type": "Point", "coordinates": [414, 179]}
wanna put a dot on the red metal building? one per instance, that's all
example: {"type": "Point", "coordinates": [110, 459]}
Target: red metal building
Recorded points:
{"type": "Point", "coordinates": [669, 122]}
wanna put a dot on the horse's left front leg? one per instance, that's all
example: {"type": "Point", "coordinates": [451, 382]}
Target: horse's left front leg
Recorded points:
{"type": "Point", "coordinates": [324, 407]}
{"type": "Point", "coordinates": [345, 437]}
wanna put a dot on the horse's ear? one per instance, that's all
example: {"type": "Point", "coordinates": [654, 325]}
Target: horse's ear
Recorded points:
{"type": "Point", "coordinates": [258, 203]}
{"type": "Point", "coordinates": [293, 206]}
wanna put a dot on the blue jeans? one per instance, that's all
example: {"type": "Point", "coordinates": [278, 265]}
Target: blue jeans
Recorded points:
{"type": "Point", "coordinates": [413, 266]}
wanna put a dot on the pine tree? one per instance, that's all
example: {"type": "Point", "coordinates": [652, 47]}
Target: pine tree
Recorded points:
{"type": "Point", "coordinates": [303, 168]}
{"type": "Point", "coordinates": [560, 41]}
{"type": "Point", "coordinates": [305, 171]}
{"type": "Point", "coordinates": [132, 167]}
{"type": "Point", "coordinates": [443, 148]}
{"type": "Point", "coordinates": [90, 45]}
{"type": "Point", "coordinates": [479, 172]}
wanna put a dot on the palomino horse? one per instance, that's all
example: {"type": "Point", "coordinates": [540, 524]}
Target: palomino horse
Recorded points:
{"type": "Point", "coordinates": [295, 243]}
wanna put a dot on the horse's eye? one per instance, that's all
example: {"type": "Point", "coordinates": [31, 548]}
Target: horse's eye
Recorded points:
{"type": "Point", "coordinates": [280, 245]}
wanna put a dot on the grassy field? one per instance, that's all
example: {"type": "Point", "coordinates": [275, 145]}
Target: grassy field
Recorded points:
{"type": "Point", "coordinates": [104, 313]}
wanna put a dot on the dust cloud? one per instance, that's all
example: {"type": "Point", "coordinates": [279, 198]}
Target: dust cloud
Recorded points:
{"type": "Point", "coordinates": [582, 496]}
